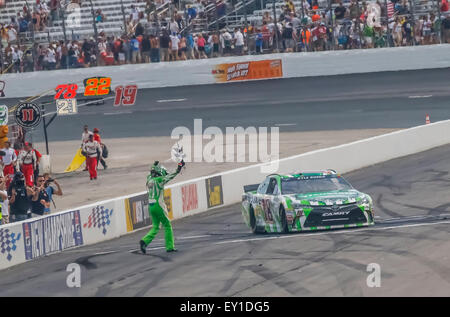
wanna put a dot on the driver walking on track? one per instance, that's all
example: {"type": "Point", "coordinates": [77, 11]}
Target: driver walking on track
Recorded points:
{"type": "Point", "coordinates": [156, 180]}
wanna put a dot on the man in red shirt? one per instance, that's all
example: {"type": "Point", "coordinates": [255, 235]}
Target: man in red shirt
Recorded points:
{"type": "Point", "coordinates": [99, 140]}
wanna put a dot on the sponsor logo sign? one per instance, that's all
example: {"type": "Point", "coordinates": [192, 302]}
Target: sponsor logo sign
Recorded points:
{"type": "Point", "coordinates": [28, 115]}
{"type": "Point", "coordinates": [3, 115]}
{"type": "Point", "coordinates": [214, 192]}
{"type": "Point", "coordinates": [248, 70]}
{"type": "Point", "coordinates": [137, 212]}
{"type": "Point", "coordinates": [52, 234]}
{"type": "Point", "coordinates": [189, 197]}
{"type": "Point", "coordinates": [8, 243]}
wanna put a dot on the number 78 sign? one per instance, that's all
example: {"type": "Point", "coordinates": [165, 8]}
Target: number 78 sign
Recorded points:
{"type": "Point", "coordinates": [125, 96]}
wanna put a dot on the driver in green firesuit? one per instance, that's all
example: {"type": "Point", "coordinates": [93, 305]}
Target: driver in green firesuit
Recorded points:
{"type": "Point", "coordinates": [156, 180]}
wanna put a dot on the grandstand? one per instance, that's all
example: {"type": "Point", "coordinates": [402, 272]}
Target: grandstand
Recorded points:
{"type": "Point", "coordinates": [81, 16]}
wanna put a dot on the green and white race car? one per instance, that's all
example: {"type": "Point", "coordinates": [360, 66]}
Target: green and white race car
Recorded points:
{"type": "Point", "coordinates": [305, 201]}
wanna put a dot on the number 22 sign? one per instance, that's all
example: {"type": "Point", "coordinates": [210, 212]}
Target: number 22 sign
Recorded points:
{"type": "Point", "coordinates": [97, 86]}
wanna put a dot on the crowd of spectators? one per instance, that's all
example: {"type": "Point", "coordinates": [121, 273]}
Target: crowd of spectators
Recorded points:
{"type": "Point", "coordinates": [297, 28]}
{"type": "Point", "coordinates": [24, 193]}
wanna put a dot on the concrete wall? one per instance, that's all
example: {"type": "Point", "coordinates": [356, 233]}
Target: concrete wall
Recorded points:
{"type": "Point", "coordinates": [199, 72]}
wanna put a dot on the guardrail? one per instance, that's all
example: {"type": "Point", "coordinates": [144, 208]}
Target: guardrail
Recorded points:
{"type": "Point", "coordinates": [105, 220]}
{"type": "Point", "coordinates": [200, 72]}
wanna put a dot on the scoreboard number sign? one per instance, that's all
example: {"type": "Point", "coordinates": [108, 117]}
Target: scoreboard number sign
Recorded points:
{"type": "Point", "coordinates": [28, 115]}
{"type": "Point", "coordinates": [66, 107]}
{"type": "Point", "coordinates": [125, 96]}
{"type": "Point", "coordinates": [66, 91]}
{"type": "Point", "coordinates": [97, 86]}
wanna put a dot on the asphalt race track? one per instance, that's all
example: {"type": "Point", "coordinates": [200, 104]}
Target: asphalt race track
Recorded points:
{"type": "Point", "coordinates": [218, 256]}
{"type": "Point", "coordinates": [359, 101]}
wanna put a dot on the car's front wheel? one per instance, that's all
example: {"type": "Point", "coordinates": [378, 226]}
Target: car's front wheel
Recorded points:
{"type": "Point", "coordinates": [253, 224]}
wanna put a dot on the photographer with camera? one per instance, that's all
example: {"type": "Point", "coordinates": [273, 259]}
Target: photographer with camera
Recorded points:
{"type": "Point", "coordinates": [40, 202]}
{"type": "Point", "coordinates": [20, 195]}
{"type": "Point", "coordinates": [50, 189]}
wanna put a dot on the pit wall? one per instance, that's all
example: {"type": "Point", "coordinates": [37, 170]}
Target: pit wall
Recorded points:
{"type": "Point", "coordinates": [199, 72]}
{"type": "Point", "coordinates": [105, 220]}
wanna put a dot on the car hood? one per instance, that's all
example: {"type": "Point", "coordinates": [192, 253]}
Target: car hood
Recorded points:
{"type": "Point", "coordinates": [338, 197]}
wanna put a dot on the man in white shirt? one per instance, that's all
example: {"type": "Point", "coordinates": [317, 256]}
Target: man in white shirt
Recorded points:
{"type": "Point", "coordinates": [92, 149]}
{"type": "Point", "coordinates": [174, 40]}
{"type": "Point", "coordinates": [84, 139]}
{"type": "Point", "coordinates": [225, 41]}
{"type": "Point", "coordinates": [239, 41]}
{"type": "Point", "coordinates": [85, 135]}
{"type": "Point", "coordinates": [8, 160]}
{"type": "Point", "coordinates": [28, 162]}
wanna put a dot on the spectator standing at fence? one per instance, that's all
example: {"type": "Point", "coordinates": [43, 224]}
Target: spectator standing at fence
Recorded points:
{"type": "Point", "coordinates": [9, 161]}
{"type": "Point", "coordinates": [446, 29]}
{"type": "Point", "coordinates": [92, 148]}
{"type": "Point", "coordinates": [146, 46]}
{"type": "Point", "coordinates": [201, 42]}
{"type": "Point", "coordinates": [154, 51]}
{"type": "Point", "coordinates": [135, 50]}
{"type": "Point", "coordinates": [164, 42]}
{"type": "Point", "coordinates": [190, 46]}
{"type": "Point", "coordinates": [174, 41]}
{"type": "Point", "coordinates": [239, 41]}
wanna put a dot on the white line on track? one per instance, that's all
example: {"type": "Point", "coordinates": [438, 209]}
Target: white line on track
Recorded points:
{"type": "Point", "coordinates": [285, 124]}
{"type": "Point", "coordinates": [106, 252]}
{"type": "Point", "coordinates": [416, 97]}
{"type": "Point", "coordinates": [171, 100]}
{"type": "Point", "coordinates": [115, 113]}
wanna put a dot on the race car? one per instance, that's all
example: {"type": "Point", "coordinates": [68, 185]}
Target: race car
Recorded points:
{"type": "Point", "coordinates": [304, 202]}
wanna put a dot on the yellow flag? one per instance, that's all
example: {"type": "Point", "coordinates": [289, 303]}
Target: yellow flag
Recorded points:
{"type": "Point", "coordinates": [76, 162]}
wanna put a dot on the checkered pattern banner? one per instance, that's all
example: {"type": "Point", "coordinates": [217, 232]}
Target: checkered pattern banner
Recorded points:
{"type": "Point", "coordinates": [8, 241]}
{"type": "Point", "coordinates": [100, 217]}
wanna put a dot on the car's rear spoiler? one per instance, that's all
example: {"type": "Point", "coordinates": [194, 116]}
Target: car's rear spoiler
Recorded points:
{"type": "Point", "coordinates": [250, 188]}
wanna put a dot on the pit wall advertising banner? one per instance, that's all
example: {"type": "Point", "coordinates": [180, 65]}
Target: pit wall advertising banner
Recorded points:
{"type": "Point", "coordinates": [214, 192]}
{"type": "Point", "coordinates": [103, 221]}
{"type": "Point", "coordinates": [136, 209]}
{"type": "Point", "coordinates": [168, 202]}
{"type": "Point", "coordinates": [189, 197]}
{"type": "Point", "coordinates": [52, 234]}
{"type": "Point", "coordinates": [250, 70]}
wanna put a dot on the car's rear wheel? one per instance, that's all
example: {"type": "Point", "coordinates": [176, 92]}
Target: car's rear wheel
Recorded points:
{"type": "Point", "coordinates": [253, 225]}
{"type": "Point", "coordinates": [284, 223]}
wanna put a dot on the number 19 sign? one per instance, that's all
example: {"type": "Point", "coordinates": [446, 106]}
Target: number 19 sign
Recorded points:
{"type": "Point", "coordinates": [125, 96]}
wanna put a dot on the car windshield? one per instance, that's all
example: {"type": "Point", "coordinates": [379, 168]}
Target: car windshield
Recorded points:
{"type": "Point", "coordinates": [313, 184]}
